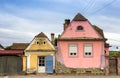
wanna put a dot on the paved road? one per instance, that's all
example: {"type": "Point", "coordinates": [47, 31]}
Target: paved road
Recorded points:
{"type": "Point", "coordinates": [57, 76]}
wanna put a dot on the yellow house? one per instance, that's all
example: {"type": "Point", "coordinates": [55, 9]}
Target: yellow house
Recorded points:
{"type": "Point", "coordinates": [39, 56]}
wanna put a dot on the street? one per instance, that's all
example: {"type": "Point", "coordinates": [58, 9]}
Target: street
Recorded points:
{"type": "Point", "coordinates": [59, 76]}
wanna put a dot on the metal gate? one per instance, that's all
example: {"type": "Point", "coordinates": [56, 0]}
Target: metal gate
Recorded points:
{"type": "Point", "coordinates": [113, 66]}
{"type": "Point", "coordinates": [10, 65]}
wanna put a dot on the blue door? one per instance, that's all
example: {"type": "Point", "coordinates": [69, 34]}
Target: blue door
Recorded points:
{"type": "Point", "coordinates": [49, 64]}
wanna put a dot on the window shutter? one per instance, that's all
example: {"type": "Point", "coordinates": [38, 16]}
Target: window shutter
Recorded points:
{"type": "Point", "coordinates": [73, 49]}
{"type": "Point", "coordinates": [88, 49]}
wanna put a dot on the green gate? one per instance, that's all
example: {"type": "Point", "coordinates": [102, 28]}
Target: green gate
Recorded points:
{"type": "Point", "coordinates": [10, 65]}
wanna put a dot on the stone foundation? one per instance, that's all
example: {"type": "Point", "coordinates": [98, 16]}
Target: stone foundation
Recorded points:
{"type": "Point", "coordinates": [61, 69]}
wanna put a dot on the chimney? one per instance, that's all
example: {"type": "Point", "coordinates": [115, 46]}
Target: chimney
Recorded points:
{"type": "Point", "coordinates": [58, 36]}
{"type": "Point", "coordinates": [52, 38]}
{"type": "Point", "coordinates": [67, 22]}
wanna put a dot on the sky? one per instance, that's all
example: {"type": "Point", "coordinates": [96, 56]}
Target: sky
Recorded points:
{"type": "Point", "coordinates": [21, 20]}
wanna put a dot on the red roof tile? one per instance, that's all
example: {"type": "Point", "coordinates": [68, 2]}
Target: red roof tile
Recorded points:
{"type": "Point", "coordinates": [11, 52]}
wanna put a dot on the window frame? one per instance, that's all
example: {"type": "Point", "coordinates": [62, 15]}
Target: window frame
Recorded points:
{"type": "Point", "coordinates": [74, 54]}
{"type": "Point", "coordinates": [41, 61]}
{"type": "Point", "coordinates": [38, 42]}
{"type": "Point", "coordinates": [80, 28]}
{"type": "Point", "coordinates": [89, 53]}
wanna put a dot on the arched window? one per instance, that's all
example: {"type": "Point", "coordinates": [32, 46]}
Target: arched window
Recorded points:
{"type": "Point", "coordinates": [79, 28]}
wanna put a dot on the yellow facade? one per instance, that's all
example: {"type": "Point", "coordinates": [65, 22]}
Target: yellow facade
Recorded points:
{"type": "Point", "coordinates": [40, 46]}
{"type": "Point", "coordinates": [24, 63]}
{"type": "Point", "coordinates": [34, 59]}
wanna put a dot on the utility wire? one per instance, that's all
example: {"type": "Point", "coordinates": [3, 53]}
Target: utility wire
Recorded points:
{"type": "Point", "coordinates": [114, 40]}
{"type": "Point", "coordinates": [91, 4]}
{"type": "Point", "coordinates": [104, 7]}
{"type": "Point", "coordinates": [88, 5]}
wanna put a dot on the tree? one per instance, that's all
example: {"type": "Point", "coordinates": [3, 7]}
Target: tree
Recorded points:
{"type": "Point", "coordinates": [8, 48]}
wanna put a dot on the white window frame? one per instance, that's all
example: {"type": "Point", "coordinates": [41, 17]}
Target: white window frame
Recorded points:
{"type": "Point", "coordinates": [88, 49]}
{"type": "Point", "coordinates": [73, 49]}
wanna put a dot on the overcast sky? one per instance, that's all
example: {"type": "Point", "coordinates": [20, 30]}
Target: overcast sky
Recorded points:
{"type": "Point", "coordinates": [21, 20]}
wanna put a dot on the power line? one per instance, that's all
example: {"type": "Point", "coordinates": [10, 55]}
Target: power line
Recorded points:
{"type": "Point", "coordinates": [114, 40]}
{"type": "Point", "coordinates": [89, 4]}
{"type": "Point", "coordinates": [104, 7]}
{"type": "Point", "coordinates": [92, 2]}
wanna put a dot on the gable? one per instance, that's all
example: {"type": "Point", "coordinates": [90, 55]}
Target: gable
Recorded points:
{"type": "Point", "coordinates": [42, 44]}
{"type": "Point", "coordinates": [87, 32]}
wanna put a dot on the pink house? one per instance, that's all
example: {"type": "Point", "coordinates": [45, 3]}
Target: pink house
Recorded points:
{"type": "Point", "coordinates": [81, 47]}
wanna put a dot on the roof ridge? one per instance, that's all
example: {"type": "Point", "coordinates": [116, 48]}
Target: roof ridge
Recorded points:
{"type": "Point", "coordinates": [41, 35]}
{"type": "Point", "coordinates": [79, 17]}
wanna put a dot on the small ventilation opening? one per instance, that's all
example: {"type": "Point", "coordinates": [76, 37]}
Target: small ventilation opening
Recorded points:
{"type": "Point", "coordinates": [79, 28]}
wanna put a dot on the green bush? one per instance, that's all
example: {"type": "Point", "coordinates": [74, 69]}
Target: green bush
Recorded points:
{"type": "Point", "coordinates": [114, 53]}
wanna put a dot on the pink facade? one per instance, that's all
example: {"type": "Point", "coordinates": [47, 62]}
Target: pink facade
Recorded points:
{"type": "Point", "coordinates": [86, 35]}
{"type": "Point", "coordinates": [107, 51]}
{"type": "Point", "coordinates": [81, 61]}
{"type": "Point", "coordinates": [88, 32]}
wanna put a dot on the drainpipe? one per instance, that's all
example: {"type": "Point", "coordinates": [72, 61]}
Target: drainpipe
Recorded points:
{"type": "Point", "coordinates": [102, 66]}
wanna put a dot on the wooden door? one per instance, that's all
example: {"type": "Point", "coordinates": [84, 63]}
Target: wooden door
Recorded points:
{"type": "Point", "coordinates": [113, 66]}
{"type": "Point", "coordinates": [49, 64]}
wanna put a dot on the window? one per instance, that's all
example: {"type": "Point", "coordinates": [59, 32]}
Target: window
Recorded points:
{"type": "Point", "coordinates": [38, 42]}
{"type": "Point", "coordinates": [88, 49]}
{"type": "Point", "coordinates": [73, 49]}
{"type": "Point", "coordinates": [42, 61]}
{"type": "Point", "coordinates": [79, 28]}
{"type": "Point", "coordinates": [44, 42]}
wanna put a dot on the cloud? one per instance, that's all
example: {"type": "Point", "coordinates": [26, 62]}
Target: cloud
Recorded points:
{"type": "Point", "coordinates": [107, 23]}
{"type": "Point", "coordinates": [17, 28]}
{"type": "Point", "coordinates": [21, 21]}
{"type": "Point", "coordinates": [113, 38]}
{"type": "Point", "coordinates": [8, 36]}
{"type": "Point", "coordinates": [34, 21]}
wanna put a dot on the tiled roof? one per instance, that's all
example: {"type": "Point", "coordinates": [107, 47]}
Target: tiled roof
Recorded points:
{"type": "Point", "coordinates": [11, 52]}
{"type": "Point", "coordinates": [19, 46]}
{"type": "Point", "coordinates": [100, 31]}
{"type": "Point", "coordinates": [79, 17]}
{"type": "Point", "coordinates": [40, 50]}
{"type": "Point", "coordinates": [107, 45]}
{"type": "Point", "coordinates": [41, 35]}
{"type": "Point", "coordinates": [81, 39]}
{"type": "Point", "coordinates": [1, 46]}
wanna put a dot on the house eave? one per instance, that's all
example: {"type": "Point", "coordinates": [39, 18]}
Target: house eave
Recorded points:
{"type": "Point", "coordinates": [82, 39]}
{"type": "Point", "coordinates": [40, 50]}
